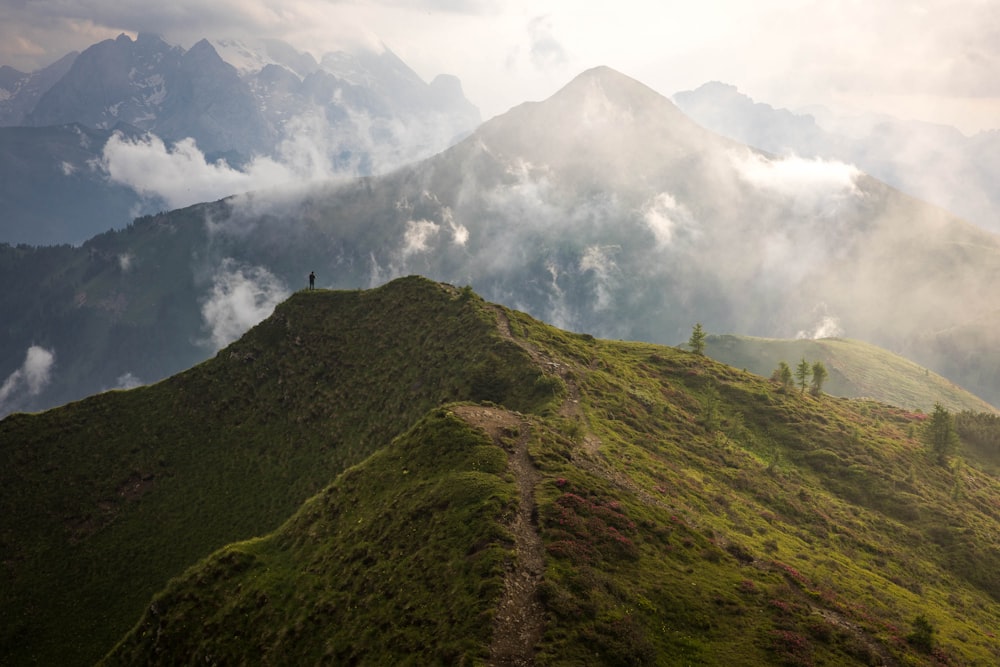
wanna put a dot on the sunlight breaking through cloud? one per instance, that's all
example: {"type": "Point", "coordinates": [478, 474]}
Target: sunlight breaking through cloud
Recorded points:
{"type": "Point", "coordinates": [795, 176]}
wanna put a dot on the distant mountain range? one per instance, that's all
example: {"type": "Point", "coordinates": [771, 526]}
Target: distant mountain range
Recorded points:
{"type": "Point", "coordinates": [412, 475]}
{"type": "Point", "coordinates": [603, 209]}
{"type": "Point", "coordinates": [933, 162]}
{"type": "Point", "coordinates": [349, 114]}
{"type": "Point", "coordinates": [356, 113]}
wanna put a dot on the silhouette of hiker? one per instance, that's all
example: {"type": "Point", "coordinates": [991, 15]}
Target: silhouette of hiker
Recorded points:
{"type": "Point", "coordinates": [312, 280]}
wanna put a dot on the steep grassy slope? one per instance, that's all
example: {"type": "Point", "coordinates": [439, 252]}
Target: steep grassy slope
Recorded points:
{"type": "Point", "coordinates": [419, 554]}
{"type": "Point", "coordinates": [857, 370]}
{"type": "Point", "coordinates": [671, 510]}
{"type": "Point", "coordinates": [103, 500]}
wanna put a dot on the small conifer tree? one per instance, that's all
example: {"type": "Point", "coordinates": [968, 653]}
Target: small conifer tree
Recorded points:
{"type": "Point", "coordinates": [802, 373]}
{"type": "Point", "coordinates": [940, 434]}
{"type": "Point", "coordinates": [783, 374]}
{"type": "Point", "coordinates": [922, 636]}
{"type": "Point", "coordinates": [819, 375]}
{"type": "Point", "coordinates": [697, 340]}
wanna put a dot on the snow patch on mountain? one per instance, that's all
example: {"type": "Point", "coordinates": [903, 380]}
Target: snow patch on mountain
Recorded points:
{"type": "Point", "coordinates": [250, 58]}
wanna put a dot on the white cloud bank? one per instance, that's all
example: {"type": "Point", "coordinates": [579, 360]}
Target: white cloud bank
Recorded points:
{"type": "Point", "coordinates": [181, 176]}
{"type": "Point", "coordinates": [240, 297]}
{"type": "Point", "coordinates": [825, 326]}
{"type": "Point", "coordinates": [31, 378]}
{"type": "Point", "coordinates": [795, 176]}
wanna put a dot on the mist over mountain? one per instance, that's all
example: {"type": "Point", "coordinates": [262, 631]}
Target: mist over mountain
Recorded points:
{"type": "Point", "coordinates": [197, 128]}
{"type": "Point", "coordinates": [933, 162]}
{"type": "Point", "coordinates": [603, 209]}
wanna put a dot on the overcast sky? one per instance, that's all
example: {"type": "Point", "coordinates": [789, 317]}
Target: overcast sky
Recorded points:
{"type": "Point", "coordinates": [937, 60]}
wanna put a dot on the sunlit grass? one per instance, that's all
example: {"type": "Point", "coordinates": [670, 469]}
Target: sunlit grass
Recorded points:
{"type": "Point", "coordinates": [691, 512]}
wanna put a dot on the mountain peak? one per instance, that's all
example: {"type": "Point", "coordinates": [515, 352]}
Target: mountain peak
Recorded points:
{"type": "Point", "coordinates": [600, 72]}
{"type": "Point", "coordinates": [203, 48]}
{"type": "Point", "coordinates": [618, 87]}
{"type": "Point", "coordinates": [603, 126]}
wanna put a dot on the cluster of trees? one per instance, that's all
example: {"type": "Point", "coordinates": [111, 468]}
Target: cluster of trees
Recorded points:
{"type": "Point", "coordinates": [805, 375]}
{"type": "Point", "coordinates": [979, 432]}
{"type": "Point", "coordinates": [979, 429]}
{"type": "Point", "coordinates": [941, 433]}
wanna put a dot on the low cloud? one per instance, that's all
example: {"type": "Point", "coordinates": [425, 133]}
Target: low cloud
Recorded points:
{"type": "Point", "coordinates": [28, 380]}
{"type": "Point", "coordinates": [421, 234]}
{"type": "Point", "coordinates": [665, 217]}
{"type": "Point", "coordinates": [418, 236]}
{"type": "Point", "coordinates": [599, 262]}
{"type": "Point", "coordinates": [827, 326]}
{"type": "Point", "coordinates": [128, 381]}
{"type": "Point", "coordinates": [312, 152]}
{"type": "Point", "coordinates": [240, 297]}
{"type": "Point", "coordinates": [797, 177]}
{"type": "Point", "coordinates": [545, 51]}
{"type": "Point", "coordinates": [181, 176]}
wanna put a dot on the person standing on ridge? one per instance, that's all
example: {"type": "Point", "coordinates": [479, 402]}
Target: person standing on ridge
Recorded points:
{"type": "Point", "coordinates": [312, 280]}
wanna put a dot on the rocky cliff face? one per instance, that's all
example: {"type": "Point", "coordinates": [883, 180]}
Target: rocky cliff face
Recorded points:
{"type": "Point", "coordinates": [159, 88]}
{"type": "Point", "coordinates": [366, 99]}
{"type": "Point", "coordinates": [20, 92]}
{"type": "Point", "coordinates": [356, 114]}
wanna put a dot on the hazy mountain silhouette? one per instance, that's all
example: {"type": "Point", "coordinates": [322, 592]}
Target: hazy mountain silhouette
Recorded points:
{"type": "Point", "coordinates": [927, 160]}
{"type": "Point", "coordinates": [602, 209]}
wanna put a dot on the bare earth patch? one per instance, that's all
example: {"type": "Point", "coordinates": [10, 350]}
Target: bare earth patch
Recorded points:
{"type": "Point", "coordinates": [520, 618]}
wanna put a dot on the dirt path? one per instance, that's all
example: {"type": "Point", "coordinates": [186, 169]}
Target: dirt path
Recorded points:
{"type": "Point", "coordinates": [570, 408]}
{"type": "Point", "coordinates": [589, 457]}
{"type": "Point", "coordinates": [520, 618]}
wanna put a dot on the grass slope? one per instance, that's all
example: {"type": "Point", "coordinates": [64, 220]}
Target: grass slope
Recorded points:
{"type": "Point", "coordinates": [373, 477]}
{"type": "Point", "coordinates": [416, 524]}
{"type": "Point", "coordinates": [857, 370]}
{"type": "Point", "coordinates": [690, 513]}
{"type": "Point", "coordinates": [103, 500]}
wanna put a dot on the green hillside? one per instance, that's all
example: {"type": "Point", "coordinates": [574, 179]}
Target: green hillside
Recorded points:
{"type": "Point", "coordinates": [857, 370]}
{"type": "Point", "coordinates": [410, 475]}
{"type": "Point", "coordinates": [105, 499]}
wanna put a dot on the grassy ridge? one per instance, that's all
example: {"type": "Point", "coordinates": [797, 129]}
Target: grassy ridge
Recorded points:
{"type": "Point", "coordinates": [105, 499]}
{"type": "Point", "coordinates": [361, 572]}
{"type": "Point", "coordinates": [691, 514]}
{"type": "Point", "coordinates": [857, 370]}
{"type": "Point", "coordinates": [768, 527]}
